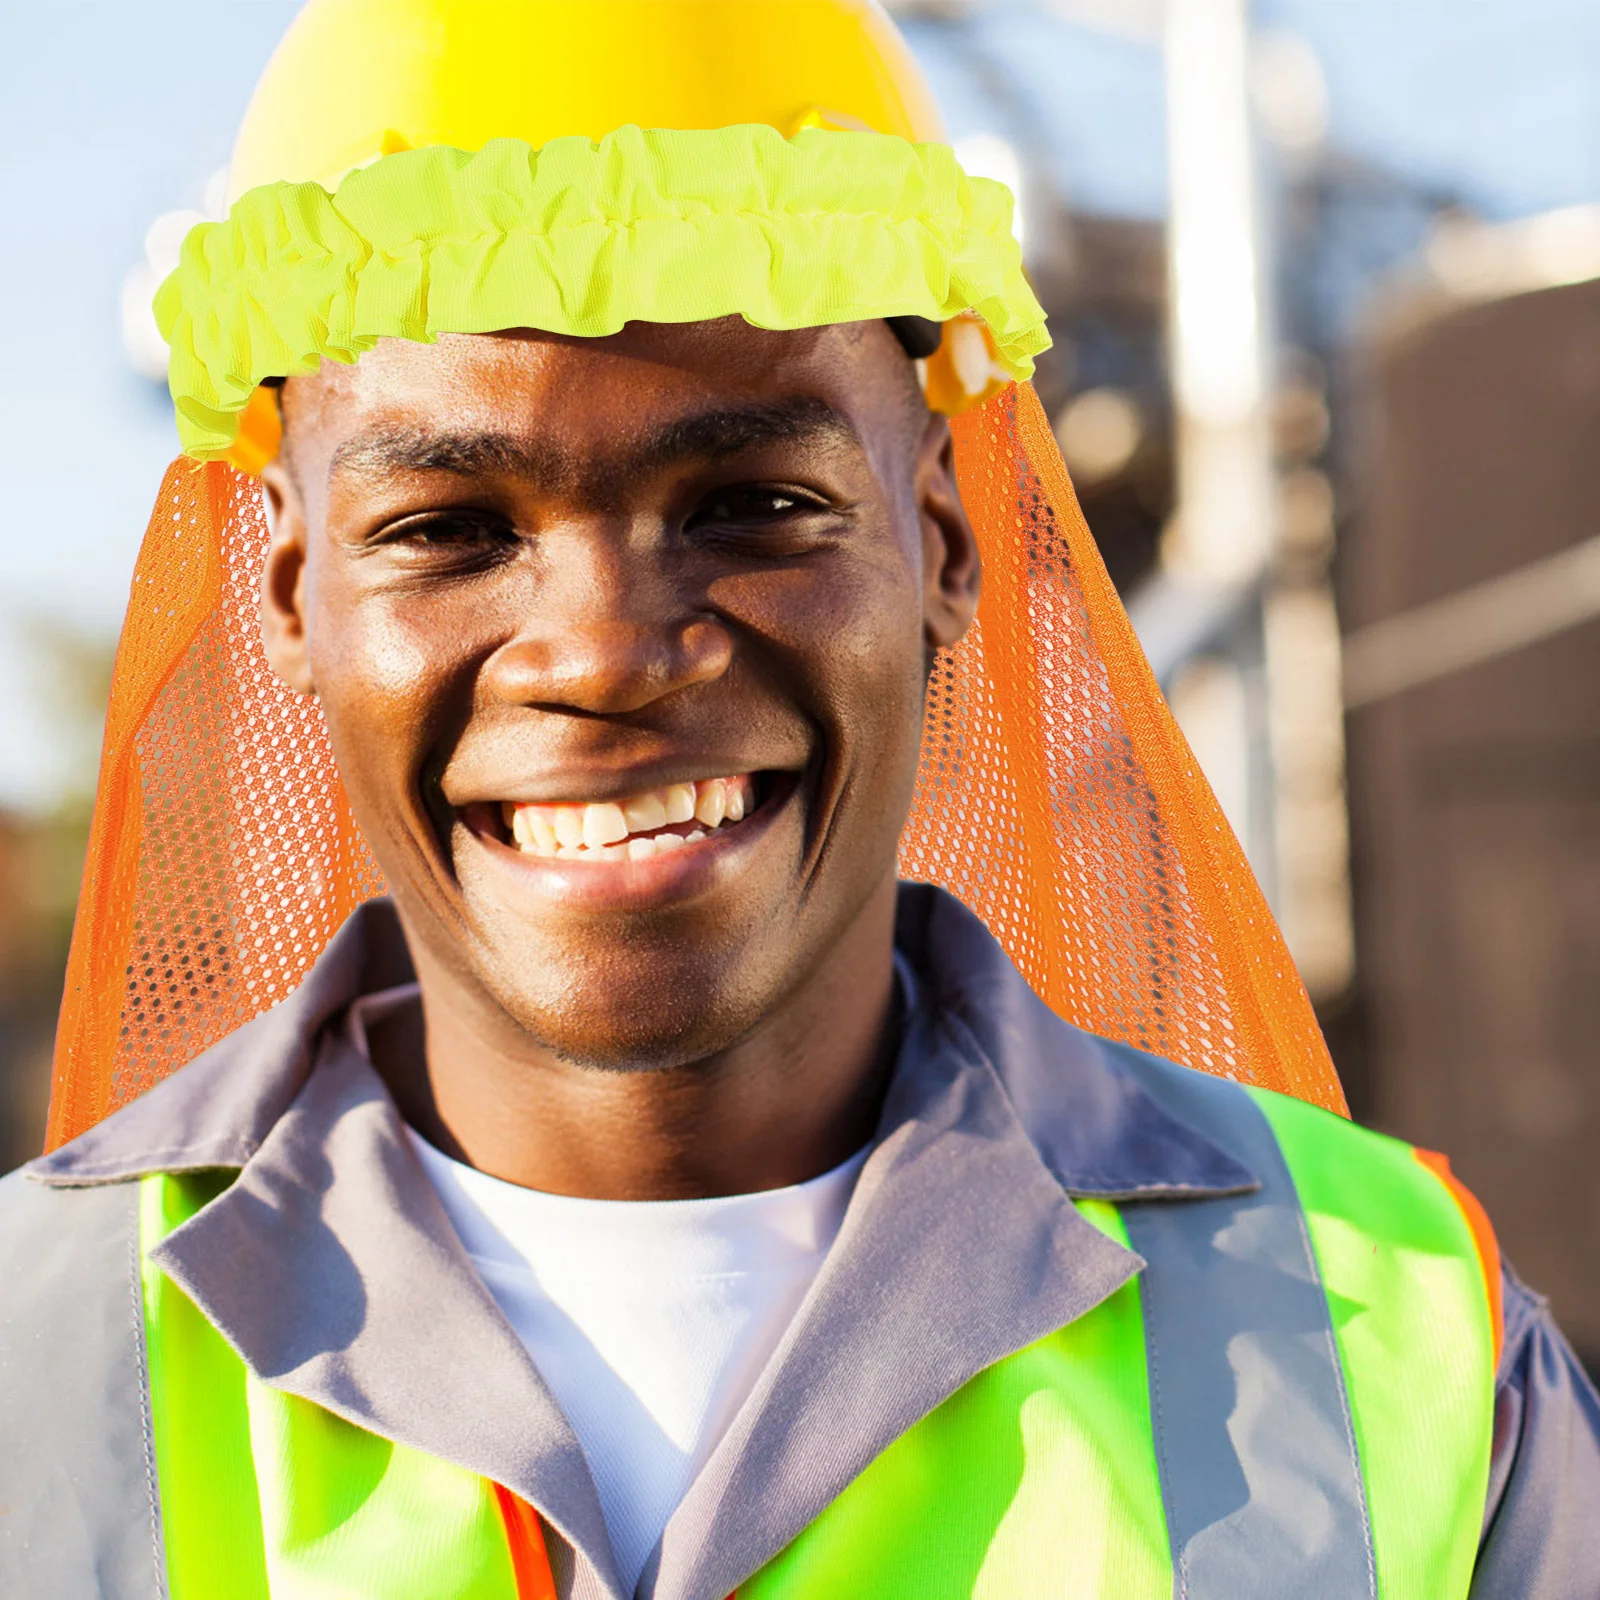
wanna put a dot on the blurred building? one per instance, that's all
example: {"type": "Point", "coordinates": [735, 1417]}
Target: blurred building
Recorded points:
{"type": "Point", "coordinates": [39, 864]}
{"type": "Point", "coordinates": [41, 861]}
{"type": "Point", "coordinates": [1470, 581]}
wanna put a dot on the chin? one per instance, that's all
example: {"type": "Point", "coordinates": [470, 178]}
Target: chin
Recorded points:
{"type": "Point", "coordinates": [644, 1041]}
{"type": "Point", "coordinates": [645, 1005]}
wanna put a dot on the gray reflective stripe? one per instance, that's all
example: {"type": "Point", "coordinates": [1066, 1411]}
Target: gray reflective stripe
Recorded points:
{"type": "Point", "coordinates": [1259, 1472]}
{"type": "Point", "coordinates": [79, 1517]}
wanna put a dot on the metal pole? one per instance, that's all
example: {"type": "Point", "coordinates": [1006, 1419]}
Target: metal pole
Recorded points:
{"type": "Point", "coordinates": [1224, 527]}
{"type": "Point", "coordinates": [1218, 544]}
{"type": "Point", "coordinates": [1259, 698]}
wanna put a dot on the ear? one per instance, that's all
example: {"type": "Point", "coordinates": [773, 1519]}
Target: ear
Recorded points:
{"type": "Point", "coordinates": [952, 571]}
{"type": "Point", "coordinates": [283, 580]}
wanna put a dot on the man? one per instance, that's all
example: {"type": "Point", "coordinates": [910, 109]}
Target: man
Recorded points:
{"type": "Point", "coordinates": [654, 1195]}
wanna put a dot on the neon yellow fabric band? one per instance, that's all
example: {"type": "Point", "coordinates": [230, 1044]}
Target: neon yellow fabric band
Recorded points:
{"type": "Point", "coordinates": [658, 225]}
{"type": "Point", "coordinates": [265, 1494]}
{"type": "Point", "coordinates": [1036, 1478]}
{"type": "Point", "coordinates": [1411, 1315]}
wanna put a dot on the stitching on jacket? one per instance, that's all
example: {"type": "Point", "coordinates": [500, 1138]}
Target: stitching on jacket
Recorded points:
{"type": "Point", "coordinates": [1180, 1558]}
{"type": "Point", "coordinates": [146, 1409]}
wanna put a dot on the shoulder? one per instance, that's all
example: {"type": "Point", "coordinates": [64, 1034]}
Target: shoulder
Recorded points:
{"type": "Point", "coordinates": [1541, 1538]}
{"type": "Point", "coordinates": [1220, 1105]}
{"type": "Point", "coordinates": [1327, 1153]}
{"type": "Point", "coordinates": [1348, 1180]}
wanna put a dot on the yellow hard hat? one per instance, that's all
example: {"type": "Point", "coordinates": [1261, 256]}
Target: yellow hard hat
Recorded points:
{"type": "Point", "coordinates": [357, 79]}
{"type": "Point", "coordinates": [413, 167]}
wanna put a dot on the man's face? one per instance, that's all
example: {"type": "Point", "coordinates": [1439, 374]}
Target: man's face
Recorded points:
{"type": "Point", "coordinates": [552, 593]}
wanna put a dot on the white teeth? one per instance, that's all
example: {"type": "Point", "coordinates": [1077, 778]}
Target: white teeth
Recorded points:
{"type": "Point", "coordinates": [712, 805]}
{"type": "Point", "coordinates": [679, 801]}
{"type": "Point", "coordinates": [533, 828]}
{"type": "Point", "coordinates": [603, 824]}
{"type": "Point", "coordinates": [600, 830]}
{"type": "Point", "coordinates": [645, 813]}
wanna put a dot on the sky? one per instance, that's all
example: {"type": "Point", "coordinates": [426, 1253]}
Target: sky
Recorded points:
{"type": "Point", "coordinates": [112, 113]}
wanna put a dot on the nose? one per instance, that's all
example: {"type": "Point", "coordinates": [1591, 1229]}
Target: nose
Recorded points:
{"type": "Point", "coordinates": [607, 631]}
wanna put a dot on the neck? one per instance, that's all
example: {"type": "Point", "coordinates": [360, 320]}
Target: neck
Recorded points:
{"type": "Point", "coordinates": [796, 1095]}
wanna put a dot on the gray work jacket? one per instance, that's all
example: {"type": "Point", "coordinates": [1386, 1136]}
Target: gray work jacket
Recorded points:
{"type": "Point", "coordinates": [329, 1264]}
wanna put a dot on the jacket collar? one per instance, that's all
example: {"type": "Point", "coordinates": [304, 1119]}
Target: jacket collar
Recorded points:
{"type": "Point", "coordinates": [1093, 1109]}
{"type": "Point", "coordinates": [314, 1262]}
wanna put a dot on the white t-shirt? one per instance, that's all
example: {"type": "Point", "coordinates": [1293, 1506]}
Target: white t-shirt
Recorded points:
{"type": "Point", "coordinates": [649, 1320]}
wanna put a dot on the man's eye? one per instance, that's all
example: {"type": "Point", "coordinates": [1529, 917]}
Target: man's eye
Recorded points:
{"type": "Point", "coordinates": [453, 531]}
{"type": "Point", "coordinates": [742, 507]}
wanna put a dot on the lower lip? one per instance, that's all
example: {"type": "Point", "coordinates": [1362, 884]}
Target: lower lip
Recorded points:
{"type": "Point", "coordinates": [668, 877]}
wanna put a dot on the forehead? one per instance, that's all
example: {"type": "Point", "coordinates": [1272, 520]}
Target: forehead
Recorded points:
{"type": "Point", "coordinates": [599, 391]}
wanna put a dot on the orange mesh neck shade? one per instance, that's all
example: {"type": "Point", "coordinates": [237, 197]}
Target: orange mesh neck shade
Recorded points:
{"type": "Point", "coordinates": [1057, 798]}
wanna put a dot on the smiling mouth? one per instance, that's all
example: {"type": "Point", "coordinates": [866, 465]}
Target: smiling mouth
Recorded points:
{"type": "Point", "coordinates": [644, 825]}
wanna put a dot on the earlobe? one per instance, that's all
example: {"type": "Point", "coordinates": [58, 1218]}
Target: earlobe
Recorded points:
{"type": "Point", "coordinates": [952, 569]}
{"type": "Point", "coordinates": [283, 583]}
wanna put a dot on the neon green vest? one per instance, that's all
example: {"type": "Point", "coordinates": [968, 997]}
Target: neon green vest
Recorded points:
{"type": "Point", "coordinates": [1066, 1469]}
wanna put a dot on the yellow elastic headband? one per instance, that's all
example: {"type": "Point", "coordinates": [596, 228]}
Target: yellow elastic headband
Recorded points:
{"type": "Point", "coordinates": [580, 237]}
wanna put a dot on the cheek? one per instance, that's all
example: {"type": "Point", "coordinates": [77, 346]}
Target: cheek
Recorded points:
{"type": "Point", "coordinates": [846, 631]}
{"type": "Point", "coordinates": [389, 688]}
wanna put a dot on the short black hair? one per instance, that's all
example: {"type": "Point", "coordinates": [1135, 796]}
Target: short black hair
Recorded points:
{"type": "Point", "coordinates": [919, 336]}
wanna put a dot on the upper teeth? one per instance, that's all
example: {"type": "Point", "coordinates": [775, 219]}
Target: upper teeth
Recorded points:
{"type": "Point", "coordinates": [629, 830]}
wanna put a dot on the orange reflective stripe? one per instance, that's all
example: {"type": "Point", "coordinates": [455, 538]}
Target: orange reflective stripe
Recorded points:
{"type": "Point", "coordinates": [530, 1562]}
{"type": "Point", "coordinates": [1482, 1236]}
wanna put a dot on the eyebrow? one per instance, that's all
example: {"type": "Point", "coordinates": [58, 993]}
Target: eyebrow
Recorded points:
{"type": "Point", "coordinates": [705, 436]}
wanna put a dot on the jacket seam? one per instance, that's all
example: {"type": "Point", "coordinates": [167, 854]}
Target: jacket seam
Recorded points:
{"type": "Point", "coordinates": [1105, 1189]}
{"type": "Point", "coordinates": [146, 1406]}
{"type": "Point", "coordinates": [1158, 1427]}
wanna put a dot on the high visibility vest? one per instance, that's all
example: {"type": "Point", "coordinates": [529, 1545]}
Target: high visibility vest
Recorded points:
{"type": "Point", "coordinates": [1296, 1394]}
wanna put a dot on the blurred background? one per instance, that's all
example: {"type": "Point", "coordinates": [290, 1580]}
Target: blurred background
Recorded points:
{"type": "Point", "coordinates": [1324, 278]}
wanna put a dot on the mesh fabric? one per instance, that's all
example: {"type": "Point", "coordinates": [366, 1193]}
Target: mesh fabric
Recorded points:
{"type": "Point", "coordinates": [1056, 797]}
{"type": "Point", "coordinates": [1060, 801]}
